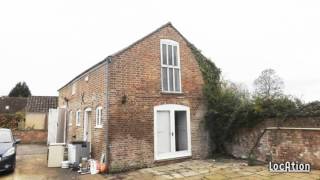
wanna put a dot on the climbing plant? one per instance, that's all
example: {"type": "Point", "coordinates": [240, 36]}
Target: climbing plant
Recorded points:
{"type": "Point", "coordinates": [229, 108]}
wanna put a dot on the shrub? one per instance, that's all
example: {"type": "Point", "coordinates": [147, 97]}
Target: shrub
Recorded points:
{"type": "Point", "coordinates": [11, 120]}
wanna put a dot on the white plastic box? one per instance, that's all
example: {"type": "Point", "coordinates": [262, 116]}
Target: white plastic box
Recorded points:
{"type": "Point", "coordinates": [56, 153]}
{"type": "Point", "coordinates": [72, 153]}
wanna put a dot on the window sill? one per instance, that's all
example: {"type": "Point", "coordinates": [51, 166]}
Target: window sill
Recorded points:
{"type": "Point", "coordinates": [98, 127]}
{"type": "Point", "coordinates": [173, 157]}
{"type": "Point", "coordinates": [172, 93]}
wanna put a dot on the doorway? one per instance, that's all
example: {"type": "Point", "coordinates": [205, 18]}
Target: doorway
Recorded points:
{"type": "Point", "coordinates": [87, 126]}
{"type": "Point", "coordinates": [172, 136]}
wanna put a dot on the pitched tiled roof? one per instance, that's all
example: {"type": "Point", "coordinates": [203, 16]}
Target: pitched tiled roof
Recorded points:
{"type": "Point", "coordinates": [12, 104]}
{"type": "Point", "coordinates": [41, 103]}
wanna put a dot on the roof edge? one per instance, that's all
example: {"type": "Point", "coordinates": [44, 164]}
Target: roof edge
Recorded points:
{"type": "Point", "coordinates": [148, 35]}
{"type": "Point", "coordinates": [84, 72]}
{"type": "Point", "coordinates": [141, 39]}
{"type": "Point", "coordinates": [125, 49]}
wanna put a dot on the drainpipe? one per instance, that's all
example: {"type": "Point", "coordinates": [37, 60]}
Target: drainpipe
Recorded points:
{"type": "Point", "coordinates": [107, 158]}
{"type": "Point", "coordinates": [66, 128]}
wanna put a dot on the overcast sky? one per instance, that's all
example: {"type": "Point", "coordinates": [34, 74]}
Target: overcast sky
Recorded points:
{"type": "Point", "coordinates": [47, 43]}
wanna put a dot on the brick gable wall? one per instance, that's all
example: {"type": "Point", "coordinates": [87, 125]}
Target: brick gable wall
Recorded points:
{"type": "Point", "coordinates": [135, 73]}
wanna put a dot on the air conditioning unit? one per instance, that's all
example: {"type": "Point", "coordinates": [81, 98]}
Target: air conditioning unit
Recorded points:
{"type": "Point", "coordinates": [78, 150]}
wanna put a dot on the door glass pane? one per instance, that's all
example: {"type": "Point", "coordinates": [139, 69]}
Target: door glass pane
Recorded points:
{"type": "Point", "coordinates": [163, 132]}
{"type": "Point", "coordinates": [175, 58]}
{"type": "Point", "coordinates": [181, 130]}
{"type": "Point", "coordinates": [170, 54]}
{"type": "Point", "coordinates": [165, 79]}
{"type": "Point", "coordinates": [164, 54]}
{"type": "Point", "coordinates": [177, 79]}
{"type": "Point", "coordinates": [171, 79]}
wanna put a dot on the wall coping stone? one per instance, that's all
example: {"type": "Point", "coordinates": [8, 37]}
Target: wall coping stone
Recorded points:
{"type": "Point", "coordinates": [293, 128]}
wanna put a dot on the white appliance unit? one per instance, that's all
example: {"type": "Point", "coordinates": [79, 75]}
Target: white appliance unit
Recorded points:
{"type": "Point", "coordinates": [55, 154]}
{"type": "Point", "coordinates": [78, 150]}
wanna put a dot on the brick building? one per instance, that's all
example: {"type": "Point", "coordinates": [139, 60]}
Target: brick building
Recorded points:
{"type": "Point", "coordinates": [142, 105]}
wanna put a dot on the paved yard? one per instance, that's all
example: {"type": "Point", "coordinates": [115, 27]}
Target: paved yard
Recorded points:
{"type": "Point", "coordinates": [32, 164]}
{"type": "Point", "coordinates": [31, 149]}
{"type": "Point", "coordinates": [209, 169]}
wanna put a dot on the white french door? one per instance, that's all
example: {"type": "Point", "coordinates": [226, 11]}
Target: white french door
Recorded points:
{"type": "Point", "coordinates": [172, 136]}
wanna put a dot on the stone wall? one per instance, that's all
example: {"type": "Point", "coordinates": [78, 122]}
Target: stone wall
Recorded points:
{"type": "Point", "coordinates": [295, 142]}
{"type": "Point", "coordinates": [31, 136]}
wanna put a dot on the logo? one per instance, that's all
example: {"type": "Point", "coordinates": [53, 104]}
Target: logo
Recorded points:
{"type": "Point", "coordinates": [294, 167]}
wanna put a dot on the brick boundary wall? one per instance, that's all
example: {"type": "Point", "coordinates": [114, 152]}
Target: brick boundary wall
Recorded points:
{"type": "Point", "coordinates": [31, 136]}
{"type": "Point", "coordinates": [297, 140]}
{"type": "Point", "coordinates": [292, 144]}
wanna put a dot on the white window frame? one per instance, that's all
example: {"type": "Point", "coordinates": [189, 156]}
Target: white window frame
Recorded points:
{"type": "Point", "coordinates": [99, 117]}
{"type": "Point", "coordinates": [173, 43]}
{"type": "Point", "coordinates": [174, 154]}
{"type": "Point", "coordinates": [78, 120]}
{"type": "Point", "coordinates": [70, 118]}
{"type": "Point", "coordinates": [73, 89]}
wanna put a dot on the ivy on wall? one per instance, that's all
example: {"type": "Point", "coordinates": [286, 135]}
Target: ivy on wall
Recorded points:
{"type": "Point", "coordinates": [212, 90]}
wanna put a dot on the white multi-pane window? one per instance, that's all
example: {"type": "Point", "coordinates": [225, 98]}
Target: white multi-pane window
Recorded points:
{"type": "Point", "coordinates": [170, 66]}
{"type": "Point", "coordinates": [98, 117]}
{"type": "Point", "coordinates": [78, 118]}
{"type": "Point", "coordinates": [70, 118]}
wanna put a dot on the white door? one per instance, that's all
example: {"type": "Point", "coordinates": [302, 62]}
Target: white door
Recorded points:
{"type": "Point", "coordinates": [163, 132]}
{"type": "Point", "coordinates": [61, 125]}
{"type": "Point", "coordinates": [172, 136]}
{"type": "Point", "coordinates": [52, 126]}
{"type": "Point", "coordinates": [87, 126]}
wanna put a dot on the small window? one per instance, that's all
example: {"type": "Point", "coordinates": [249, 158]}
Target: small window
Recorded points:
{"type": "Point", "coordinates": [78, 117]}
{"type": "Point", "coordinates": [99, 117]}
{"type": "Point", "coordinates": [86, 79]}
{"type": "Point", "coordinates": [73, 88]}
{"type": "Point", "coordinates": [70, 118]}
{"type": "Point", "coordinates": [170, 66]}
